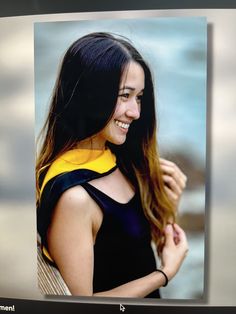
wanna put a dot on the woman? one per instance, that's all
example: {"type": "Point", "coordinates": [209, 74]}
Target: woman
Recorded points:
{"type": "Point", "coordinates": [103, 193]}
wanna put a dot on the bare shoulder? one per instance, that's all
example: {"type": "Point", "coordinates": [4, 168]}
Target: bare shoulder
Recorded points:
{"type": "Point", "coordinates": [75, 197]}
{"type": "Point", "coordinates": [75, 206]}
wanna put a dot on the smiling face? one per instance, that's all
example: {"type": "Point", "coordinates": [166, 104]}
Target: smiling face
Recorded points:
{"type": "Point", "coordinates": [128, 107]}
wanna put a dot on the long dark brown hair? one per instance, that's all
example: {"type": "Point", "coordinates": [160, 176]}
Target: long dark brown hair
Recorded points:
{"type": "Point", "coordinates": [84, 100]}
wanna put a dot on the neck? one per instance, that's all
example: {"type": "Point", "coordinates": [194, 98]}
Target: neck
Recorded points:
{"type": "Point", "coordinates": [92, 144]}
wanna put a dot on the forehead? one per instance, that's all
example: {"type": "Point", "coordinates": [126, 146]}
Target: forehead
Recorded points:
{"type": "Point", "coordinates": [133, 76]}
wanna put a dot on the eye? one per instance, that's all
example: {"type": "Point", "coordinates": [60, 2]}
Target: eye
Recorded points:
{"type": "Point", "coordinates": [124, 96]}
{"type": "Point", "coordinates": [139, 98]}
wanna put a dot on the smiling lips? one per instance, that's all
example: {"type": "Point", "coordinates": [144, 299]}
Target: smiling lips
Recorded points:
{"type": "Point", "coordinates": [122, 124]}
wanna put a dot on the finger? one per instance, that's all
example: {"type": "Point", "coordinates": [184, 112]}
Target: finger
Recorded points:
{"type": "Point", "coordinates": [172, 185]}
{"type": "Point", "coordinates": [171, 164]}
{"type": "Point", "coordinates": [169, 235]}
{"type": "Point", "coordinates": [182, 236]}
{"type": "Point", "coordinates": [176, 173]}
{"type": "Point", "coordinates": [171, 195]}
{"type": "Point", "coordinates": [166, 162]}
{"type": "Point", "coordinates": [177, 228]}
{"type": "Point", "coordinates": [176, 239]}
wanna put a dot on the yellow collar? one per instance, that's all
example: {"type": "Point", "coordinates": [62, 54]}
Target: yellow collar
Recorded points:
{"type": "Point", "coordinates": [99, 161]}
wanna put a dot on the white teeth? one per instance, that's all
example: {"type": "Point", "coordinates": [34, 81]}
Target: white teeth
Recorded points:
{"type": "Point", "coordinates": [121, 124]}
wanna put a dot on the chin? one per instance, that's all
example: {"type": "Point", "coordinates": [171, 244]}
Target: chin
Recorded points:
{"type": "Point", "coordinates": [118, 141]}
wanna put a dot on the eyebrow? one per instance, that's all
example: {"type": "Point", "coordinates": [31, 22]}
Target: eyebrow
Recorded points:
{"type": "Point", "coordinates": [130, 88]}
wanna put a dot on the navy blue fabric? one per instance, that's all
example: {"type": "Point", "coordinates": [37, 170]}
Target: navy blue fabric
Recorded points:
{"type": "Point", "coordinates": [122, 251]}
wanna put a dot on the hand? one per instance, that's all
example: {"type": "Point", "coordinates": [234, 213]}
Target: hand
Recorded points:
{"type": "Point", "coordinates": [174, 250]}
{"type": "Point", "coordinates": [174, 179]}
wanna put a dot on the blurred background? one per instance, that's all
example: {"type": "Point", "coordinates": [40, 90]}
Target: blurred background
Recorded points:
{"type": "Point", "coordinates": [180, 80]}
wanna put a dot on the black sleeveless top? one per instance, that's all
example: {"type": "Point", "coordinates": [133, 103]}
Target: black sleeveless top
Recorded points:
{"type": "Point", "coordinates": [122, 251]}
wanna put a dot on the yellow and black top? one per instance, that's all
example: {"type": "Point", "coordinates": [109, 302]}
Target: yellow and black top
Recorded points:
{"type": "Point", "coordinates": [73, 168]}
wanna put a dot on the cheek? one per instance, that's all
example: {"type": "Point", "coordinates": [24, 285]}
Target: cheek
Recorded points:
{"type": "Point", "coordinates": [109, 129]}
{"type": "Point", "coordinates": [118, 110]}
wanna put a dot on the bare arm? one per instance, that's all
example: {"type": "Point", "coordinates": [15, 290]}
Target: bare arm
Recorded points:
{"type": "Point", "coordinates": [71, 237]}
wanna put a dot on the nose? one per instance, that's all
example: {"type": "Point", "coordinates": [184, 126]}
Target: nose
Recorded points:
{"type": "Point", "coordinates": [133, 109]}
